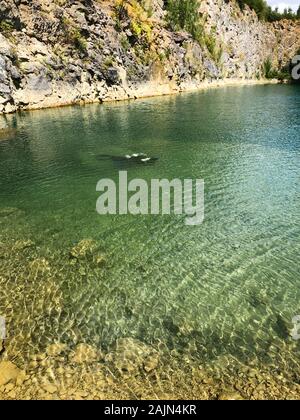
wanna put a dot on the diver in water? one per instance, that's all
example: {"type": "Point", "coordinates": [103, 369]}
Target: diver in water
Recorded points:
{"type": "Point", "coordinates": [140, 158]}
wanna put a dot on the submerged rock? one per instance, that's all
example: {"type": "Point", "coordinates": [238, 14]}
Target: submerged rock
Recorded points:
{"type": "Point", "coordinates": [84, 249]}
{"type": "Point", "coordinates": [151, 362]}
{"type": "Point", "coordinates": [6, 133]}
{"type": "Point", "coordinates": [99, 260]}
{"type": "Point", "coordinates": [56, 349]}
{"type": "Point", "coordinates": [84, 353]}
{"type": "Point", "coordinates": [131, 355]}
{"type": "Point", "coordinates": [8, 373]}
{"type": "Point", "coordinates": [39, 266]}
{"type": "Point", "coordinates": [50, 388]}
{"type": "Point", "coordinates": [230, 396]}
{"type": "Point", "coordinates": [8, 211]}
{"type": "Point", "coordinates": [21, 245]}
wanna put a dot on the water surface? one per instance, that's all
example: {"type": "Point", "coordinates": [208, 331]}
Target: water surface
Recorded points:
{"type": "Point", "coordinates": [225, 290]}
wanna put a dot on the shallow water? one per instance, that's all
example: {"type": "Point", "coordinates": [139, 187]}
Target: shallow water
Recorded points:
{"type": "Point", "coordinates": [225, 290]}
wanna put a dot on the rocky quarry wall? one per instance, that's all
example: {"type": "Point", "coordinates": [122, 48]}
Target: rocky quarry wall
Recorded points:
{"type": "Point", "coordinates": [59, 52]}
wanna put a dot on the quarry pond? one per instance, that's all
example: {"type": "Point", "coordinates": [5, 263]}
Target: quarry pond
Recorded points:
{"type": "Point", "coordinates": [144, 306]}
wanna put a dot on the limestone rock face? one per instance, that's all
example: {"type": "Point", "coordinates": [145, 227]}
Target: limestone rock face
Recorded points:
{"type": "Point", "coordinates": [6, 49]}
{"type": "Point", "coordinates": [65, 52]}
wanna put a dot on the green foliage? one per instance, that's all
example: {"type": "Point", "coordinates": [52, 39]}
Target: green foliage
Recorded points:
{"type": "Point", "coordinates": [6, 28]}
{"type": "Point", "coordinates": [135, 15]}
{"type": "Point", "coordinates": [78, 40]}
{"type": "Point", "coordinates": [73, 35]}
{"type": "Point", "coordinates": [210, 42]}
{"type": "Point", "coordinates": [268, 71]}
{"type": "Point", "coordinates": [275, 15]}
{"type": "Point", "coordinates": [146, 56]}
{"type": "Point", "coordinates": [184, 15]}
{"type": "Point", "coordinates": [271, 73]}
{"type": "Point", "coordinates": [260, 7]}
{"type": "Point", "coordinates": [265, 12]}
{"type": "Point", "coordinates": [125, 43]}
{"type": "Point", "coordinates": [109, 62]}
{"type": "Point", "coordinates": [214, 48]}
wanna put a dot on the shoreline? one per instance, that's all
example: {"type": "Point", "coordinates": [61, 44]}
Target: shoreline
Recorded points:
{"type": "Point", "coordinates": [145, 90]}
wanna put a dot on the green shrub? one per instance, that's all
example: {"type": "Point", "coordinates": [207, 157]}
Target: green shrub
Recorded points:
{"type": "Point", "coordinates": [271, 73]}
{"type": "Point", "coordinates": [109, 62]}
{"type": "Point", "coordinates": [268, 69]}
{"type": "Point", "coordinates": [184, 15]}
{"type": "Point", "coordinates": [211, 43]}
{"type": "Point", "coordinates": [73, 35]}
{"type": "Point", "coordinates": [78, 40]}
{"type": "Point", "coordinates": [214, 48]}
{"type": "Point", "coordinates": [6, 28]}
{"type": "Point", "coordinates": [135, 12]}
{"type": "Point", "coordinates": [125, 43]}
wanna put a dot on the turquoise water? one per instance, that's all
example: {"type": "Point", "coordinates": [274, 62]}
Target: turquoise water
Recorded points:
{"type": "Point", "coordinates": [228, 288]}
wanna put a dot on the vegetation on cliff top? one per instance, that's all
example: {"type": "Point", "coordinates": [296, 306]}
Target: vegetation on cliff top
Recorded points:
{"type": "Point", "coordinates": [139, 18]}
{"type": "Point", "coordinates": [184, 12]}
{"type": "Point", "coordinates": [265, 12]}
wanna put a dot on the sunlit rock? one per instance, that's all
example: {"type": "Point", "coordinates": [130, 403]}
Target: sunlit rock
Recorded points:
{"type": "Point", "coordinates": [83, 249]}
{"type": "Point", "coordinates": [131, 355]}
{"type": "Point", "coordinates": [85, 353]}
{"type": "Point", "coordinates": [8, 373]}
{"type": "Point", "coordinates": [56, 349]}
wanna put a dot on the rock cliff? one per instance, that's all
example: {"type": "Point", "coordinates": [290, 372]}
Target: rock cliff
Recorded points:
{"type": "Point", "coordinates": [58, 52]}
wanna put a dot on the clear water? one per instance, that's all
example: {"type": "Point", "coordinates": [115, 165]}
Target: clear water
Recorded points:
{"type": "Point", "coordinates": [227, 289]}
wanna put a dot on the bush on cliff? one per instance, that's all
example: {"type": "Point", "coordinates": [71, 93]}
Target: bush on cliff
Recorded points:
{"type": "Point", "coordinates": [184, 15]}
{"type": "Point", "coordinates": [73, 35]}
{"type": "Point", "coordinates": [271, 73]}
{"type": "Point", "coordinates": [6, 28]}
{"type": "Point", "coordinates": [131, 15]}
